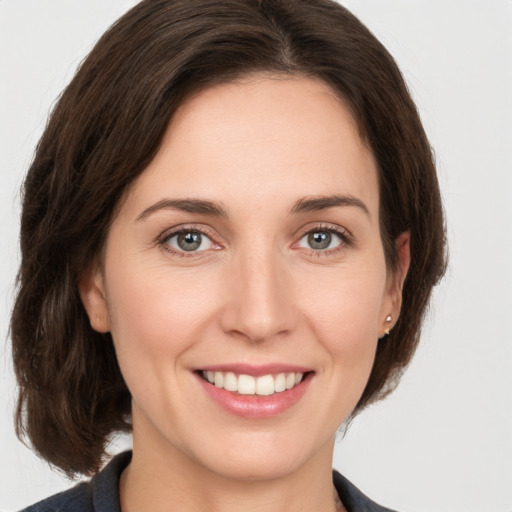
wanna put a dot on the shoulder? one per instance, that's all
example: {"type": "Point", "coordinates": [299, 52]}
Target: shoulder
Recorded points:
{"type": "Point", "coordinates": [101, 494]}
{"type": "Point", "coordinates": [77, 499]}
{"type": "Point", "coordinates": [353, 499]}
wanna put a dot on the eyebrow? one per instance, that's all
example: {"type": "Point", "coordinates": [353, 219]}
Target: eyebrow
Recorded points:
{"type": "Point", "coordinates": [319, 203]}
{"type": "Point", "coordinates": [214, 209]}
{"type": "Point", "coordinates": [200, 206]}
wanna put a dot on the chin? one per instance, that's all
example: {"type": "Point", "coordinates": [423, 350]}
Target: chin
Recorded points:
{"type": "Point", "coordinates": [257, 468]}
{"type": "Point", "coordinates": [264, 457]}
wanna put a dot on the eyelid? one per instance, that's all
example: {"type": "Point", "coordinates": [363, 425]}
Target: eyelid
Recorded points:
{"type": "Point", "coordinates": [346, 237]}
{"type": "Point", "coordinates": [165, 236]}
{"type": "Point", "coordinates": [325, 226]}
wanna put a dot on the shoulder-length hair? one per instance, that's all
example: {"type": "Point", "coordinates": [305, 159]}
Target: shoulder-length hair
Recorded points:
{"type": "Point", "coordinates": [107, 127]}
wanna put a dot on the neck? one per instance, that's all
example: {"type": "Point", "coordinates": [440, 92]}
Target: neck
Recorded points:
{"type": "Point", "coordinates": [159, 480]}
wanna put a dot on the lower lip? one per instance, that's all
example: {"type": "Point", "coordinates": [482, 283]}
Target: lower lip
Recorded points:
{"type": "Point", "coordinates": [256, 406]}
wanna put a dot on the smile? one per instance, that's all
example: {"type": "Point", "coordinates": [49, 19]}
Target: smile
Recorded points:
{"type": "Point", "coordinates": [264, 385]}
{"type": "Point", "coordinates": [255, 392]}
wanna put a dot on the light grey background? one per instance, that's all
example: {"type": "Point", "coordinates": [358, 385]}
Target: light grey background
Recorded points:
{"type": "Point", "coordinates": [443, 441]}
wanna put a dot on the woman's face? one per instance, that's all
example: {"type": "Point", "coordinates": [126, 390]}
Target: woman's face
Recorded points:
{"type": "Point", "coordinates": [247, 253]}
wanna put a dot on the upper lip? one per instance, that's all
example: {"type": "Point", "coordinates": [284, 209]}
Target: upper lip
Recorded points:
{"type": "Point", "coordinates": [256, 370]}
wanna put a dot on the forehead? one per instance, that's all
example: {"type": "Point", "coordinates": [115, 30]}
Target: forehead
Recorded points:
{"type": "Point", "coordinates": [262, 138]}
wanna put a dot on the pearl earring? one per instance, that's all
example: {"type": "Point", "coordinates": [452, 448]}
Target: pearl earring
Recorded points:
{"type": "Point", "coordinates": [389, 319]}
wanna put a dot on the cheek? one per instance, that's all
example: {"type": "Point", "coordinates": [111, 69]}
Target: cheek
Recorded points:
{"type": "Point", "coordinates": [155, 318]}
{"type": "Point", "coordinates": [154, 302]}
{"type": "Point", "coordinates": [344, 314]}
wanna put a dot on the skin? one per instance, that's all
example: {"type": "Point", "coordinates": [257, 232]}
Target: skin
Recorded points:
{"type": "Point", "coordinates": [257, 293]}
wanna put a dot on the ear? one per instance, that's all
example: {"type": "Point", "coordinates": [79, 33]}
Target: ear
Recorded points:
{"type": "Point", "coordinates": [92, 292]}
{"type": "Point", "coordinates": [392, 303]}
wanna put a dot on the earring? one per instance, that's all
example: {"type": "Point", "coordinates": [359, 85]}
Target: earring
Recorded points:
{"type": "Point", "coordinates": [389, 319]}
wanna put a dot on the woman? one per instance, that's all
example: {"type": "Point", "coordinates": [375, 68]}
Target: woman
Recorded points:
{"type": "Point", "coordinates": [230, 233]}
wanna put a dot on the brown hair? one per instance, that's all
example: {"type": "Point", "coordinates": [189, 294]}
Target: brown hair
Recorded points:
{"type": "Point", "coordinates": [107, 127]}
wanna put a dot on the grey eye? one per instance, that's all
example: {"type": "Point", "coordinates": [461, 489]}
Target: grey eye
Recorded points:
{"type": "Point", "coordinates": [320, 240]}
{"type": "Point", "coordinates": [189, 241]}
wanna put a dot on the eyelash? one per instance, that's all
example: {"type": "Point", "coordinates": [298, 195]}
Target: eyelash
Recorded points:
{"type": "Point", "coordinates": [163, 240]}
{"type": "Point", "coordinates": [346, 240]}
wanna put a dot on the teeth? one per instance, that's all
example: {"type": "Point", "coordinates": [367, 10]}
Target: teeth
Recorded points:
{"type": "Point", "coordinates": [219, 380]}
{"type": "Point", "coordinates": [248, 385]}
{"type": "Point", "coordinates": [230, 382]}
{"type": "Point", "coordinates": [280, 382]}
{"type": "Point", "coordinates": [265, 385]}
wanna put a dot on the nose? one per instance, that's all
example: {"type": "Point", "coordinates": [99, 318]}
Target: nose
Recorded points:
{"type": "Point", "coordinates": [259, 303]}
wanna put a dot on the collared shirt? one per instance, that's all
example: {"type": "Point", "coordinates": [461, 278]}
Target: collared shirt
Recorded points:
{"type": "Point", "coordinates": [101, 493]}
